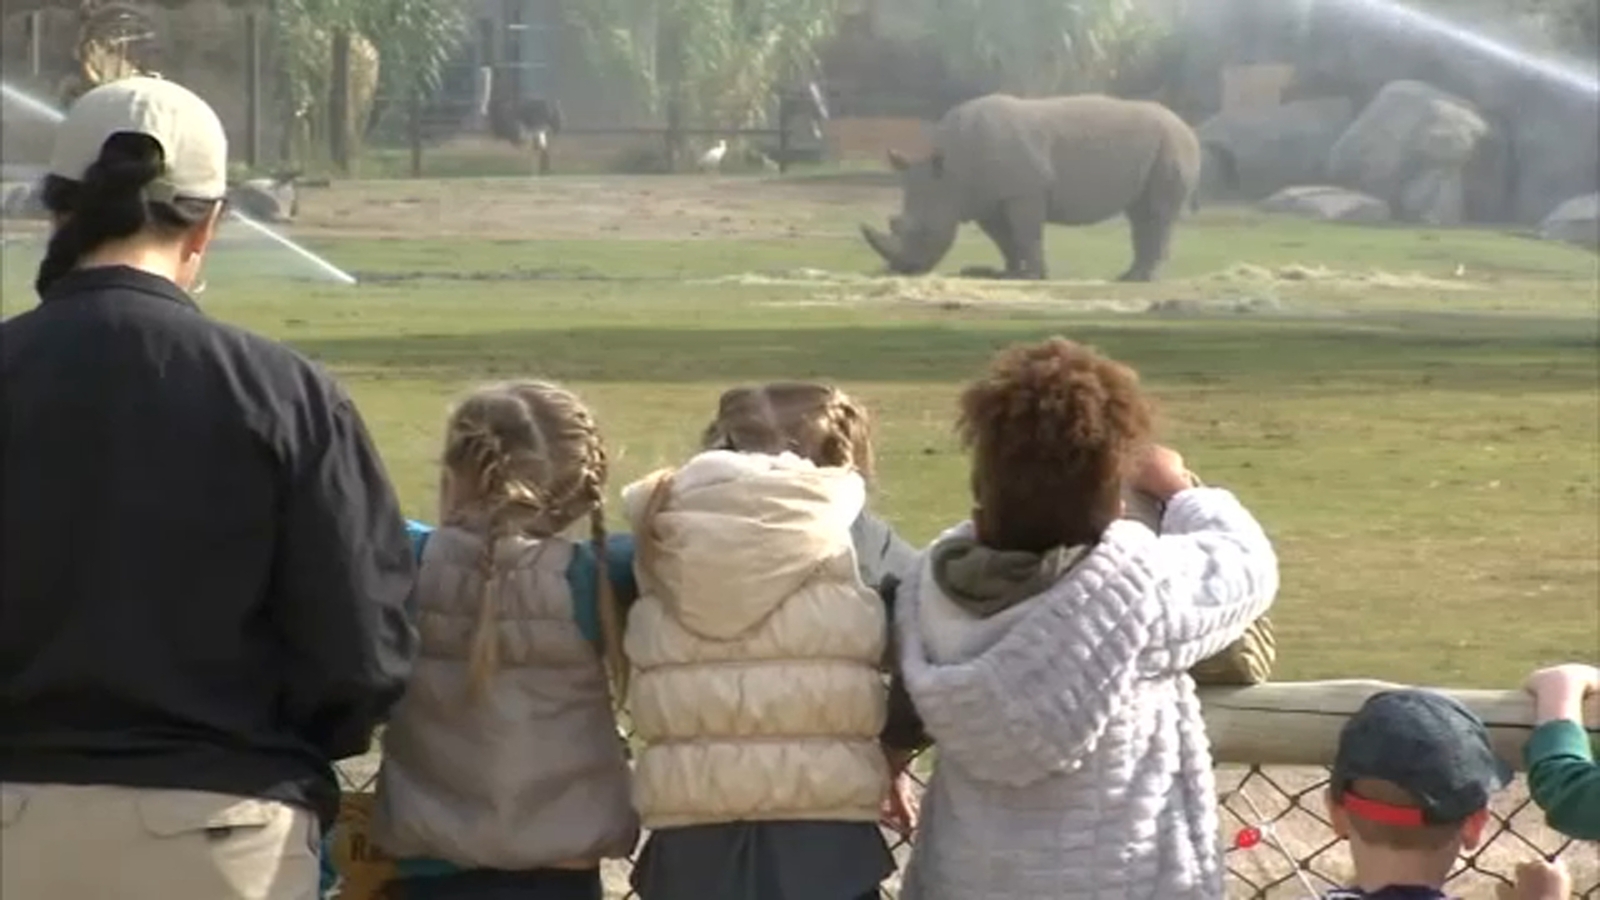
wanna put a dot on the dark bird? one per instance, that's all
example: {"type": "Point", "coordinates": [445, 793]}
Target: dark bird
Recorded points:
{"type": "Point", "coordinates": [527, 122]}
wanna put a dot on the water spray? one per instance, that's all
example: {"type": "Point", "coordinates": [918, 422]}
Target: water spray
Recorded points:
{"type": "Point", "coordinates": [1401, 14]}
{"type": "Point", "coordinates": [45, 111]}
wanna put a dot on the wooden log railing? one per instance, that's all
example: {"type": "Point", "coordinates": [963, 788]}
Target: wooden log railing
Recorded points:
{"type": "Point", "coordinates": [1296, 723]}
{"type": "Point", "coordinates": [1272, 744]}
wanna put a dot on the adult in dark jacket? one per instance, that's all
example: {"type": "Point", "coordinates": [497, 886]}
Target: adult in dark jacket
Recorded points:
{"type": "Point", "coordinates": [205, 579]}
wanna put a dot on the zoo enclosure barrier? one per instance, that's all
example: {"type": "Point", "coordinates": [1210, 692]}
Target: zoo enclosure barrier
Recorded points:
{"type": "Point", "coordinates": [1273, 744]}
{"type": "Point", "coordinates": [251, 99]}
{"type": "Point", "coordinates": [243, 76]}
{"type": "Point", "coordinates": [797, 130]}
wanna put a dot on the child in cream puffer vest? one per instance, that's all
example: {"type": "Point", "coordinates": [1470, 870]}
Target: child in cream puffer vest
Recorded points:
{"type": "Point", "coordinates": [758, 651]}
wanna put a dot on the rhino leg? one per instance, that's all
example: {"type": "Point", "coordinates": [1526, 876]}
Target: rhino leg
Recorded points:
{"type": "Point", "coordinates": [1152, 234]}
{"type": "Point", "coordinates": [1025, 226]}
{"type": "Point", "coordinates": [998, 228]}
{"type": "Point", "coordinates": [1152, 217]}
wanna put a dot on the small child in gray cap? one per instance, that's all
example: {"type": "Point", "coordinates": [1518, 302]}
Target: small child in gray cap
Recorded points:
{"type": "Point", "coordinates": [1410, 789]}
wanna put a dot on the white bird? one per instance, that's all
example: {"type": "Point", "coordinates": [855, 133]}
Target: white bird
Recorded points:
{"type": "Point", "coordinates": [712, 159]}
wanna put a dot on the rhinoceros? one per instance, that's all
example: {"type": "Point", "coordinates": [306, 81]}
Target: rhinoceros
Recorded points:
{"type": "Point", "coordinates": [1012, 164]}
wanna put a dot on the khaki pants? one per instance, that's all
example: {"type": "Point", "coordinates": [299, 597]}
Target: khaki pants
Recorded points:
{"type": "Point", "coordinates": [71, 842]}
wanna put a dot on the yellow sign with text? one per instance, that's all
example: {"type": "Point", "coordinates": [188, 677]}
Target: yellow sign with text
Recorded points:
{"type": "Point", "coordinates": [363, 868]}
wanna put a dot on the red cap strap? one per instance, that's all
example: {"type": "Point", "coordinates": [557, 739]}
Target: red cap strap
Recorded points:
{"type": "Point", "coordinates": [1384, 813]}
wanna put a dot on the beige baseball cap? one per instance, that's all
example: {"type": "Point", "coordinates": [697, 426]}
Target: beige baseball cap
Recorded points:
{"type": "Point", "coordinates": [191, 136]}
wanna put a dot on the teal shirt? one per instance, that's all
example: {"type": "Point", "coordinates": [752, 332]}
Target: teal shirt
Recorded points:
{"type": "Point", "coordinates": [1564, 778]}
{"type": "Point", "coordinates": [583, 578]}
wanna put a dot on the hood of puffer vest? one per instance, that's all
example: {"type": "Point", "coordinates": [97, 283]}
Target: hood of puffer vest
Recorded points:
{"type": "Point", "coordinates": [732, 535]}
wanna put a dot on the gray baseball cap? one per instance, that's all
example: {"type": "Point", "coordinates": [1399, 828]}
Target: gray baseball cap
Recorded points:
{"type": "Point", "coordinates": [191, 136]}
{"type": "Point", "coordinates": [1426, 744]}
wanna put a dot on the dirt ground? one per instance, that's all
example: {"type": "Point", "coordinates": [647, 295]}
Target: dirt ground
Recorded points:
{"type": "Point", "coordinates": [641, 207]}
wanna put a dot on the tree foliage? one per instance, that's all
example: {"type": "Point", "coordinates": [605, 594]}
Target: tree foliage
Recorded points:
{"type": "Point", "coordinates": [1039, 47]}
{"type": "Point", "coordinates": [413, 39]}
{"type": "Point", "coordinates": [717, 61]}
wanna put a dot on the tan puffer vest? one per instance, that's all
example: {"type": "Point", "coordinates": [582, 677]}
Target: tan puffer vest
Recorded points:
{"type": "Point", "coordinates": [756, 645]}
{"type": "Point", "coordinates": [534, 774]}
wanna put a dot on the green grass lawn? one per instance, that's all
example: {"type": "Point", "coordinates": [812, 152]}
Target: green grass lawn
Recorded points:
{"type": "Point", "coordinates": [1415, 418]}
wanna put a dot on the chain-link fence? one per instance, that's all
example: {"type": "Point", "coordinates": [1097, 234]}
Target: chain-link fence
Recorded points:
{"type": "Point", "coordinates": [1278, 840]}
{"type": "Point", "coordinates": [1280, 843]}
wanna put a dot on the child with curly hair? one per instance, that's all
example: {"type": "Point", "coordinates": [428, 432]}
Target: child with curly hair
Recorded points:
{"type": "Point", "coordinates": [1047, 643]}
{"type": "Point", "coordinates": [759, 643]}
{"type": "Point", "coordinates": [503, 771]}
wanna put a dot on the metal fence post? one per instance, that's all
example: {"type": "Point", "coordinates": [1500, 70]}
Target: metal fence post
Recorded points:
{"type": "Point", "coordinates": [252, 80]}
{"type": "Point", "coordinates": [785, 110]}
{"type": "Point", "coordinates": [414, 126]}
{"type": "Point", "coordinates": [339, 102]}
{"type": "Point", "coordinates": [35, 25]}
{"type": "Point", "coordinates": [674, 136]}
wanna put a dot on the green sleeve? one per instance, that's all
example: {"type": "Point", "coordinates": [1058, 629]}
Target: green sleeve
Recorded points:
{"type": "Point", "coordinates": [1564, 778]}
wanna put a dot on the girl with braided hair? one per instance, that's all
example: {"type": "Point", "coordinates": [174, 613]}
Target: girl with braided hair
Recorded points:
{"type": "Point", "coordinates": [758, 643]}
{"type": "Point", "coordinates": [503, 771]}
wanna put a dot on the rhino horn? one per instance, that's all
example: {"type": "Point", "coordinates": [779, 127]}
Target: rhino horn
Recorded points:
{"type": "Point", "coordinates": [886, 245]}
{"type": "Point", "coordinates": [893, 251]}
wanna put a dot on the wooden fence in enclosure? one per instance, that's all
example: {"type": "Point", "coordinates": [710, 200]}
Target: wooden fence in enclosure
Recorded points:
{"type": "Point", "coordinates": [422, 119]}
{"type": "Point", "coordinates": [1272, 744]}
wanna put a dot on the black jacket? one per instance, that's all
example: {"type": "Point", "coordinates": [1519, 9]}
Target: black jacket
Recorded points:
{"type": "Point", "coordinates": [205, 578]}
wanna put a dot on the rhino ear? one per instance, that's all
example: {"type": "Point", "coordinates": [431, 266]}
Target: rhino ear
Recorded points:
{"type": "Point", "coordinates": [897, 162]}
{"type": "Point", "coordinates": [936, 163]}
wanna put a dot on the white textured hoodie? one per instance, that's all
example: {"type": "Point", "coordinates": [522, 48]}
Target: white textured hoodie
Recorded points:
{"type": "Point", "coordinates": [1072, 757]}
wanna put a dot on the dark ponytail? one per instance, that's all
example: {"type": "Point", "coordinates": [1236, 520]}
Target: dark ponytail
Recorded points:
{"type": "Point", "coordinates": [109, 204]}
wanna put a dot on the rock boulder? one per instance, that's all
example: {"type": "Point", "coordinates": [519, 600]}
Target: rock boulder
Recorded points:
{"type": "Point", "coordinates": [1326, 203]}
{"type": "Point", "coordinates": [21, 201]}
{"type": "Point", "coordinates": [1410, 148]}
{"type": "Point", "coordinates": [1253, 153]}
{"type": "Point", "coordinates": [265, 199]}
{"type": "Point", "coordinates": [1576, 221]}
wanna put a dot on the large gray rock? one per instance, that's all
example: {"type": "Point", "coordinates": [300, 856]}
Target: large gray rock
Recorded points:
{"type": "Point", "coordinates": [1252, 153]}
{"type": "Point", "coordinates": [1410, 147]}
{"type": "Point", "coordinates": [1544, 119]}
{"type": "Point", "coordinates": [1326, 203]}
{"type": "Point", "coordinates": [21, 201]}
{"type": "Point", "coordinates": [1576, 221]}
{"type": "Point", "coordinates": [1553, 141]}
{"type": "Point", "coordinates": [266, 199]}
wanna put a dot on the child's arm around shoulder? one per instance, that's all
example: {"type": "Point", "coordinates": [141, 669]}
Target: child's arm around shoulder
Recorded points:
{"type": "Point", "coordinates": [583, 577]}
{"type": "Point", "coordinates": [1220, 573]}
{"type": "Point", "coordinates": [619, 566]}
{"type": "Point", "coordinates": [418, 531]}
{"type": "Point", "coordinates": [881, 552]}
